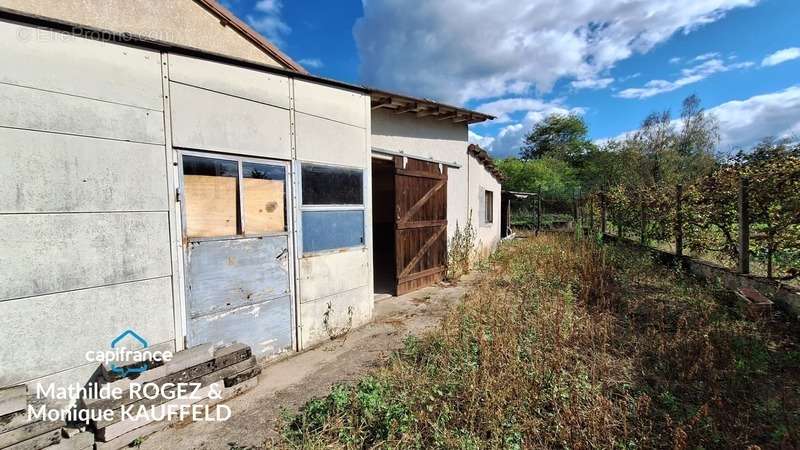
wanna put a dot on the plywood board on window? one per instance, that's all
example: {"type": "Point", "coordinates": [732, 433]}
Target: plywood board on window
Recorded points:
{"type": "Point", "coordinates": [210, 205]}
{"type": "Point", "coordinates": [264, 210]}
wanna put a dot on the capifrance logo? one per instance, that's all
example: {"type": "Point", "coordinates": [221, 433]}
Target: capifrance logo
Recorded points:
{"type": "Point", "coordinates": [123, 359]}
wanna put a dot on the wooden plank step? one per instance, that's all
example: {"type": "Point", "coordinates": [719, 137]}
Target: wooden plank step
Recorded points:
{"type": "Point", "coordinates": [119, 428]}
{"type": "Point", "coordinates": [80, 441]}
{"type": "Point", "coordinates": [13, 399]}
{"type": "Point", "coordinates": [224, 357]}
{"type": "Point", "coordinates": [29, 431]}
{"type": "Point", "coordinates": [38, 442]}
{"type": "Point", "coordinates": [204, 381]}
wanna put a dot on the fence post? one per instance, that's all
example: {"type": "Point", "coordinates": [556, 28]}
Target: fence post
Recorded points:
{"type": "Point", "coordinates": [574, 209]}
{"type": "Point", "coordinates": [744, 227]}
{"type": "Point", "coordinates": [539, 211]}
{"type": "Point", "coordinates": [603, 213]}
{"type": "Point", "coordinates": [679, 220]}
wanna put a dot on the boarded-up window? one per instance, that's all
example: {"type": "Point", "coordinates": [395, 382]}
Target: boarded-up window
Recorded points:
{"type": "Point", "coordinates": [212, 193]}
{"type": "Point", "coordinates": [264, 207]}
{"type": "Point", "coordinates": [325, 185]}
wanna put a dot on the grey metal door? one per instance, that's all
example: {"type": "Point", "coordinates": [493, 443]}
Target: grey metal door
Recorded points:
{"type": "Point", "coordinates": [237, 252]}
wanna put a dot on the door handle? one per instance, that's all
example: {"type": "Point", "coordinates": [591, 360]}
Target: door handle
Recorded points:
{"type": "Point", "coordinates": [282, 253]}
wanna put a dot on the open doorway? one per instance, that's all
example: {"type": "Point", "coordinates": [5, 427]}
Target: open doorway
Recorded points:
{"type": "Point", "coordinates": [383, 227]}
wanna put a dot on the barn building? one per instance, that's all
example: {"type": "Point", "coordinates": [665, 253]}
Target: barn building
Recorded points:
{"type": "Point", "coordinates": [167, 170]}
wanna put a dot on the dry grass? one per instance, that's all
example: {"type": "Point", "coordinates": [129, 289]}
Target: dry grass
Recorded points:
{"type": "Point", "coordinates": [566, 344]}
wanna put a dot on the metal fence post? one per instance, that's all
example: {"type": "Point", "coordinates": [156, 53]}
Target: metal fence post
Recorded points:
{"type": "Point", "coordinates": [679, 220]}
{"type": "Point", "coordinates": [744, 227]}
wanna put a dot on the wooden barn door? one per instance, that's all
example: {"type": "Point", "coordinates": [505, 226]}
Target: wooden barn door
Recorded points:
{"type": "Point", "coordinates": [421, 225]}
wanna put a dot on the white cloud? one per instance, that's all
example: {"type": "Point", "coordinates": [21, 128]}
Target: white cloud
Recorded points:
{"type": "Point", "coordinates": [706, 56]}
{"type": "Point", "coordinates": [781, 56]}
{"type": "Point", "coordinates": [592, 83]}
{"type": "Point", "coordinates": [688, 76]}
{"type": "Point", "coordinates": [743, 123]}
{"type": "Point", "coordinates": [266, 19]}
{"type": "Point", "coordinates": [314, 63]}
{"type": "Point", "coordinates": [483, 141]}
{"type": "Point", "coordinates": [509, 139]}
{"type": "Point", "coordinates": [675, 60]}
{"type": "Point", "coordinates": [503, 108]}
{"type": "Point", "coordinates": [458, 51]}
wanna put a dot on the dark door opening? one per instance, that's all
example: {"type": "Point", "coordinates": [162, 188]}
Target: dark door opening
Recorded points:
{"type": "Point", "coordinates": [383, 225]}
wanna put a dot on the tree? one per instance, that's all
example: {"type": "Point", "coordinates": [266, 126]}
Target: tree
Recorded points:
{"type": "Point", "coordinates": [552, 176]}
{"type": "Point", "coordinates": [558, 136]}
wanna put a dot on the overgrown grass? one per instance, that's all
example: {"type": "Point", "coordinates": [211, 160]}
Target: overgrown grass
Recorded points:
{"type": "Point", "coordinates": [567, 344]}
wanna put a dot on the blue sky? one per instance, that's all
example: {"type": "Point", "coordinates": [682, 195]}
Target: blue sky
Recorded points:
{"type": "Point", "coordinates": [612, 61]}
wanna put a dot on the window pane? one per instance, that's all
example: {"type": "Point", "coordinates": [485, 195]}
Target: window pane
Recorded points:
{"type": "Point", "coordinates": [326, 230]}
{"type": "Point", "coordinates": [324, 185]}
{"type": "Point", "coordinates": [264, 198]}
{"type": "Point", "coordinates": [211, 190]}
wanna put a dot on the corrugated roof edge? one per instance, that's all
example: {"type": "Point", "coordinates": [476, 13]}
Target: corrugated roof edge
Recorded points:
{"type": "Point", "coordinates": [154, 44]}
{"type": "Point", "coordinates": [483, 157]}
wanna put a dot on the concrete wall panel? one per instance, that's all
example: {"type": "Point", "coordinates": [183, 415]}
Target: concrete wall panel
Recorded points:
{"type": "Point", "coordinates": [83, 67]}
{"type": "Point", "coordinates": [46, 172]}
{"type": "Point", "coordinates": [331, 103]}
{"type": "Point", "coordinates": [207, 120]}
{"type": "Point", "coordinates": [34, 109]}
{"type": "Point", "coordinates": [237, 81]}
{"type": "Point", "coordinates": [325, 275]}
{"type": "Point", "coordinates": [334, 315]}
{"type": "Point", "coordinates": [325, 141]}
{"type": "Point", "coordinates": [52, 333]}
{"type": "Point", "coordinates": [47, 253]}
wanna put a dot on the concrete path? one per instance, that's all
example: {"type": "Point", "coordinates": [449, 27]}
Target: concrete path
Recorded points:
{"type": "Point", "coordinates": [289, 383]}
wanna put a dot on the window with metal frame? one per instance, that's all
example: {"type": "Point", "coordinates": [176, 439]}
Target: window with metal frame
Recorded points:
{"type": "Point", "coordinates": [332, 207]}
{"type": "Point", "coordinates": [226, 197]}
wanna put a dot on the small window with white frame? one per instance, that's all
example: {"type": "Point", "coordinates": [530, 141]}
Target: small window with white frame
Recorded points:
{"type": "Point", "coordinates": [332, 207]}
{"type": "Point", "coordinates": [487, 207]}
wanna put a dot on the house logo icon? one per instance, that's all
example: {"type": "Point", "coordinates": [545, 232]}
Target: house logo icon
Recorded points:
{"type": "Point", "coordinates": [119, 342]}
